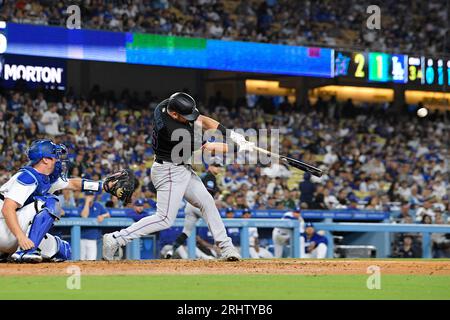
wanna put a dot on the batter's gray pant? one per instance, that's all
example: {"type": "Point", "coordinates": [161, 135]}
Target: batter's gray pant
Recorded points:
{"type": "Point", "coordinates": [191, 216]}
{"type": "Point", "coordinates": [172, 183]}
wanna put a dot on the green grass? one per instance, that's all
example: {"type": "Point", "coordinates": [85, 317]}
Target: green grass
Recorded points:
{"type": "Point", "coordinates": [226, 287]}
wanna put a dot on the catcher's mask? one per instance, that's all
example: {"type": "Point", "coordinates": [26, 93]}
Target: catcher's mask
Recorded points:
{"type": "Point", "coordinates": [40, 149]}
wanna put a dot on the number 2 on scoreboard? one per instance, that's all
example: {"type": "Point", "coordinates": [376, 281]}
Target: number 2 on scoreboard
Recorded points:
{"type": "Point", "coordinates": [359, 60]}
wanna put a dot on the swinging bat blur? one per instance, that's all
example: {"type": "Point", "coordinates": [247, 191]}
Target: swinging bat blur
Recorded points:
{"type": "Point", "coordinates": [294, 163]}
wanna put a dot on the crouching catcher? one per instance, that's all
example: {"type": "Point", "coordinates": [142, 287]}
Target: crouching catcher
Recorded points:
{"type": "Point", "coordinates": [29, 207]}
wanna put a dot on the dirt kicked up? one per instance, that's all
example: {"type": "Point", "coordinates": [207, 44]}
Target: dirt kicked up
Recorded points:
{"type": "Point", "coordinates": [189, 267]}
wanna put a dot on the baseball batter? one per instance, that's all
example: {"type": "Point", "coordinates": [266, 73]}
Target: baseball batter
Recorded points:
{"type": "Point", "coordinates": [29, 207]}
{"type": "Point", "coordinates": [174, 178]}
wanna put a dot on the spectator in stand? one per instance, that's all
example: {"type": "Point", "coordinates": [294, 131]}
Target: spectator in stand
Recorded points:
{"type": "Point", "coordinates": [408, 249]}
{"type": "Point", "coordinates": [307, 189]}
{"type": "Point", "coordinates": [425, 210]}
{"type": "Point", "coordinates": [342, 199]}
{"type": "Point", "coordinates": [426, 219]}
{"type": "Point", "coordinates": [404, 216]}
{"type": "Point", "coordinates": [51, 120]}
{"type": "Point", "coordinates": [319, 199]}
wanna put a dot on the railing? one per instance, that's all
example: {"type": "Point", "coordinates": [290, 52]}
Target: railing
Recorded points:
{"type": "Point", "coordinates": [335, 214]}
{"type": "Point", "coordinates": [386, 228]}
{"type": "Point", "coordinates": [76, 223]}
{"type": "Point", "coordinates": [133, 248]}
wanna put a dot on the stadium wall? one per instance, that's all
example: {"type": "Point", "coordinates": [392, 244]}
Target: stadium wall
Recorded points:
{"type": "Point", "coordinates": [83, 75]}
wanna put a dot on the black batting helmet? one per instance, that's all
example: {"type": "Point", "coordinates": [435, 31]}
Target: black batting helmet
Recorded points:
{"type": "Point", "coordinates": [183, 104]}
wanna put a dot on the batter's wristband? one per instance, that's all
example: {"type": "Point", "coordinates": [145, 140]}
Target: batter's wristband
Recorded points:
{"type": "Point", "coordinates": [88, 185]}
{"type": "Point", "coordinates": [222, 129]}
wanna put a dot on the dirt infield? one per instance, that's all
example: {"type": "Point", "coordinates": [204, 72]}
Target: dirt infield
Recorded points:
{"type": "Point", "coordinates": [285, 266]}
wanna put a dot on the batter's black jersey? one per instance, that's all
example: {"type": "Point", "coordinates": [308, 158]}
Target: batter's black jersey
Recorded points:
{"type": "Point", "coordinates": [210, 182]}
{"type": "Point", "coordinates": [163, 129]}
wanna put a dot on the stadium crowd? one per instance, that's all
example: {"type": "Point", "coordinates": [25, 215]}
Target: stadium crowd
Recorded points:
{"type": "Point", "coordinates": [294, 22]}
{"type": "Point", "coordinates": [376, 159]}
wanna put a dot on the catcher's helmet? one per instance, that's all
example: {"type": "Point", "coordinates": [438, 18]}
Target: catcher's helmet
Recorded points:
{"type": "Point", "coordinates": [183, 104]}
{"type": "Point", "coordinates": [45, 149]}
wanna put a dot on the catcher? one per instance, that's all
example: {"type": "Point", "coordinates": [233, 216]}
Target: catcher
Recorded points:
{"type": "Point", "coordinates": [29, 207]}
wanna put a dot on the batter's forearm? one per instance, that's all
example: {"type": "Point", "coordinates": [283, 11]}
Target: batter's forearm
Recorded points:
{"type": "Point", "coordinates": [207, 122]}
{"type": "Point", "coordinates": [216, 146]}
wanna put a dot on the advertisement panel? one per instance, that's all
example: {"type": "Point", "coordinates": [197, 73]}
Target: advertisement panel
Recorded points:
{"type": "Point", "coordinates": [32, 72]}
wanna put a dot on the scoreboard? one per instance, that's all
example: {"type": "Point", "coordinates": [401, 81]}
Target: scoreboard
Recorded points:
{"type": "Point", "coordinates": [415, 70]}
{"type": "Point", "coordinates": [397, 68]}
{"type": "Point", "coordinates": [435, 72]}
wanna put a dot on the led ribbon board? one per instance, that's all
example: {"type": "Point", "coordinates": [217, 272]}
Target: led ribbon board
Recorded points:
{"type": "Point", "coordinates": [168, 51]}
{"type": "Point", "coordinates": [398, 68]}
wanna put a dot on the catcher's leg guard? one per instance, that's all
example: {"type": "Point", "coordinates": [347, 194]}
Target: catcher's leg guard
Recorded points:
{"type": "Point", "coordinates": [54, 249]}
{"type": "Point", "coordinates": [41, 224]}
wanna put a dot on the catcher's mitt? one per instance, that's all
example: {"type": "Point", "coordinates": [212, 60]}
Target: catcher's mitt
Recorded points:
{"type": "Point", "coordinates": [121, 184]}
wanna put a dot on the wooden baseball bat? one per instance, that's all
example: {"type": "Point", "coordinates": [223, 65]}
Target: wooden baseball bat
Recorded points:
{"type": "Point", "coordinates": [304, 166]}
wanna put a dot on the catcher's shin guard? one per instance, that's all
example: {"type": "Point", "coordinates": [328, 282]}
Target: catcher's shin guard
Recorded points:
{"type": "Point", "coordinates": [41, 224]}
{"type": "Point", "coordinates": [54, 249]}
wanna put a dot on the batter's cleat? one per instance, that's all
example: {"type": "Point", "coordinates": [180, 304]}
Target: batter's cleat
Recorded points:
{"type": "Point", "coordinates": [110, 247]}
{"type": "Point", "coordinates": [230, 254]}
{"type": "Point", "coordinates": [169, 254]}
{"type": "Point", "coordinates": [27, 256]}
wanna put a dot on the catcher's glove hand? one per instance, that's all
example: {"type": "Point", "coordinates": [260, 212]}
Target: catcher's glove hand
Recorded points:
{"type": "Point", "coordinates": [121, 184]}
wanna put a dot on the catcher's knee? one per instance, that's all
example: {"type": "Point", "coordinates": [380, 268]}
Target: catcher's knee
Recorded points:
{"type": "Point", "coordinates": [50, 204]}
